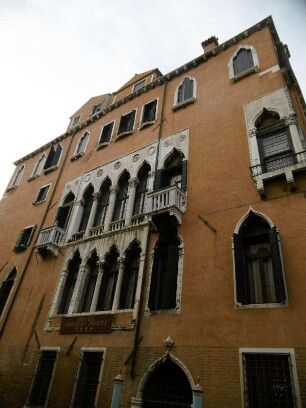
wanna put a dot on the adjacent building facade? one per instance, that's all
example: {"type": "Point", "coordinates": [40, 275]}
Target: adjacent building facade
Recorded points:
{"type": "Point", "coordinates": [153, 255]}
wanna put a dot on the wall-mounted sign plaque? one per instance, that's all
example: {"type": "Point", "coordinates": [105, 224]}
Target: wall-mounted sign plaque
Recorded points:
{"type": "Point", "coordinates": [87, 324]}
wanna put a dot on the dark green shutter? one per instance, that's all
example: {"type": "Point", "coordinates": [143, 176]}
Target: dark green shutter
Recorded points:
{"type": "Point", "coordinates": [48, 162]}
{"type": "Point", "coordinates": [168, 300]}
{"type": "Point", "coordinates": [56, 155]}
{"type": "Point", "coordinates": [153, 295]}
{"type": "Point", "coordinates": [239, 270]}
{"type": "Point", "coordinates": [158, 183]}
{"type": "Point", "coordinates": [277, 266]}
{"type": "Point", "coordinates": [184, 174]}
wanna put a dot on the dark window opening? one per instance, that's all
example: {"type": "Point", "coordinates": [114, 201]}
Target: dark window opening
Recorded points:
{"type": "Point", "coordinates": [243, 61]}
{"type": "Point", "coordinates": [149, 112]}
{"type": "Point", "coordinates": [122, 197]}
{"type": "Point", "coordinates": [130, 275]}
{"type": "Point", "coordinates": [88, 380]}
{"type": "Point", "coordinates": [42, 194]}
{"type": "Point", "coordinates": [64, 211]}
{"type": "Point", "coordinates": [92, 270]}
{"type": "Point", "coordinates": [174, 172]}
{"type": "Point", "coordinates": [127, 123]}
{"type": "Point", "coordinates": [82, 143]}
{"type": "Point", "coordinates": [109, 281]}
{"type": "Point", "coordinates": [42, 379]}
{"type": "Point", "coordinates": [6, 288]}
{"type": "Point", "coordinates": [72, 275]}
{"type": "Point", "coordinates": [24, 238]}
{"type": "Point", "coordinates": [103, 203]}
{"type": "Point", "coordinates": [258, 266]}
{"type": "Point", "coordinates": [163, 287]}
{"type": "Point", "coordinates": [268, 381]}
{"type": "Point", "coordinates": [167, 387]}
{"type": "Point", "coordinates": [87, 204]}
{"type": "Point", "coordinates": [141, 191]}
{"type": "Point", "coordinates": [106, 133]}
{"type": "Point", "coordinates": [185, 90]}
{"type": "Point", "coordinates": [53, 157]}
{"type": "Point", "coordinates": [139, 85]}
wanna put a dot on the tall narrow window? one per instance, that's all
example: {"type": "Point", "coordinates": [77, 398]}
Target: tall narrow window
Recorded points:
{"type": "Point", "coordinates": [24, 238]}
{"type": "Point", "coordinates": [274, 142]}
{"type": "Point", "coordinates": [38, 166]}
{"type": "Point", "coordinates": [42, 194]}
{"type": "Point", "coordinates": [92, 270]}
{"type": "Point", "coordinates": [53, 157]}
{"type": "Point", "coordinates": [174, 172]}
{"type": "Point", "coordinates": [69, 284]}
{"type": "Point", "coordinates": [103, 202]}
{"type": "Point", "coordinates": [258, 265]}
{"type": "Point", "coordinates": [87, 204]}
{"type": "Point", "coordinates": [106, 134]}
{"type": "Point", "coordinates": [17, 178]}
{"type": "Point", "coordinates": [88, 378]}
{"type": "Point", "coordinates": [109, 281]}
{"type": "Point", "coordinates": [81, 146]}
{"type": "Point", "coordinates": [64, 211]}
{"type": "Point", "coordinates": [122, 197]}
{"type": "Point", "coordinates": [185, 92]}
{"type": "Point", "coordinates": [243, 61]}
{"type": "Point", "coordinates": [41, 384]}
{"type": "Point", "coordinates": [6, 288]}
{"type": "Point", "coordinates": [149, 113]}
{"type": "Point", "coordinates": [130, 274]}
{"type": "Point", "coordinates": [163, 288]}
{"type": "Point", "coordinates": [141, 191]}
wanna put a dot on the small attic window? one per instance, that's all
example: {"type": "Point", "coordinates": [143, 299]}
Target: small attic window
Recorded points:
{"type": "Point", "coordinates": [139, 85]}
{"type": "Point", "coordinates": [75, 120]}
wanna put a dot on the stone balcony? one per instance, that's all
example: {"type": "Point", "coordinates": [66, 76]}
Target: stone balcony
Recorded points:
{"type": "Point", "coordinates": [50, 240]}
{"type": "Point", "coordinates": [169, 199]}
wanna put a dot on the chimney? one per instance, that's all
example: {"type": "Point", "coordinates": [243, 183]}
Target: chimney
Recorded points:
{"type": "Point", "coordinates": [209, 44]}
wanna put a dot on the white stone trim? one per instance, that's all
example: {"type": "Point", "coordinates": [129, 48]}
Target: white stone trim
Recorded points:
{"type": "Point", "coordinates": [230, 64]}
{"type": "Point", "coordinates": [177, 104]}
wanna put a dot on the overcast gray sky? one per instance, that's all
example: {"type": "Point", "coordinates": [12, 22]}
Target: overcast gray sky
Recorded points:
{"type": "Point", "coordinates": [56, 54]}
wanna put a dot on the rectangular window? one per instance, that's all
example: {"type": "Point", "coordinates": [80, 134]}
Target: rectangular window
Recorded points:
{"type": "Point", "coordinates": [53, 157]}
{"type": "Point", "coordinates": [88, 379]}
{"type": "Point", "coordinates": [276, 150]}
{"type": "Point", "coordinates": [42, 194]}
{"type": "Point", "coordinates": [149, 113]}
{"type": "Point", "coordinates": [139, 85]}
{"type": "Point", "coordinates": [106, 133]}
{"type": "Point", "coordinates": [42, 379]}
{"type": "Point", "coordinates": [24, 238]}
{"type": "Point", "coordinates": [268, 380]}
{"type": "Point", "coordinates": [127, 123]}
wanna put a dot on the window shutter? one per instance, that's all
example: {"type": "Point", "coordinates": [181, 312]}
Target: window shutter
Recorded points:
{"type": "Point", "coordinates": [56, 155]}
{"type": "Point", "coordinates": [5, 290]}
{"type": "Point", "coordinates": [48, 162]}
{"type": "Point", "coordinates": [168, 300]}
{"type": "Point", "coordinates": [61, 216]}
{"type": "Point", "coordinates": [188, 89]}
{"type": "Point", "coordinates": [158, 182]}
{"type": "Point", "coordinates": [277, 266]}
{"type": "Point", "coordinates": [184, 174]}
{"type": "Point", "coordinates": [239, 270]}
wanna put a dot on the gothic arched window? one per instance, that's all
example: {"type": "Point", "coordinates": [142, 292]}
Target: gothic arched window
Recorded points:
{"type": "Point", "coordinates": [87, 204]}
{"type": "Point", "coordinates": [122, 197]}
{"type": "Point", "coordinates": [103, 202]}
{"type": "Point", "coordinates": [69, 284]}
{"type": "Point", "coordinates": [141, 191]}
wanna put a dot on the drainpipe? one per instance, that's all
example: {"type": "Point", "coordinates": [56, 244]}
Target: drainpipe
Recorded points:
{"type": "Point", "coordinates": [32, 249]}
{"type": "Point", "coordinates": [197, 396]}
{"type": "Point", "coordinates": [137, 337]}
{"type": "Point", "coordinates": [118, 382]}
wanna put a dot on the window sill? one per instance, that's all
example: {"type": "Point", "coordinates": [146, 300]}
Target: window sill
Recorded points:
{"type": "Point", "coordinates": [77, 156]}
{"type": "Point", "coordinates": [146, 124]}
{"type": "Point", "coordinates": [33, 177]}
{"type": "Point", "coordinates": [183, 104]}
{"type": "Point", "coordinates": [20, 248]}
{"type": "Point", "coordinates": [123, 134]}
{"type": "Point", "coordinates": [261, 305]}
{"type": "Point", "coordinates": [102, 145]}
{"type": "Point", "coordinates": [48, 170]}
{"type": "Point", "coordinates": [38, 202]}
{"type": "Point", "coordinates": [12, 188]}
{"type": "Point", "coordinates": [243, 74]}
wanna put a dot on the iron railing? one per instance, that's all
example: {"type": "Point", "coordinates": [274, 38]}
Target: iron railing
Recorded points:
{"type": "Point", "coordinates": [278, 163]}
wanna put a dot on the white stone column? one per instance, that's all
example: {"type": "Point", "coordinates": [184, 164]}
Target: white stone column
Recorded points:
{"type": "Point", "coordinates": [291, 122]}
{"type": "Point", "coordinates": [110, 210]}
{"type": "Point", "coordinates": [77, 216]}
{"type": "Point", "coordinates": [151, 180]}
{"type": "Point", "coordinates": [139, 285]}
{"type": "Point", "coordinates": [119, 284]}
{"type": "Point", "coordinates": [129, 212]}
{"type": "Point", "coordinates": [93, 212]}
{"type": "Point", "coordinates": [58, 293]}
{"type": "Point", "coordinates": [77, 292]}
{"type": "Point", "coordinates": [95, 296]}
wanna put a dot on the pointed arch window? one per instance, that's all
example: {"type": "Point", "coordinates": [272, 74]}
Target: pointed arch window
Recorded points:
{"type": "Point", "coordinates": [141, 191]}
{"type": "Point", "coordinates": [258, 265]}
{"type": "Point", "coordinates": [130, 274]}
{"type": "Point", "coordinates": [122, 197]}
{"type": "Point", "coordinates": [53, 158]}
{"type": "Point", "coordinates": [103, 202]}
{"type": "Point", "coordinates": [243, 62]}
{"type": "Point", "coordinates": [70, 282]}
{"type": "Point", "coordinates": [81, 146]}
{"type": "Point", "coordinates": [92, 270]}
{"type": "Point", "coordinates": [109, 281]}
{"type": "Point", "coordinates": [38, 166]}
{"type": "Point", "coordinates": [64, 211]}
{"type": "Point", "coordinates": [6, 288]}
{"type": "Point", "coordinates": [174, 172]}
{"type": "Point", "coordinates": [87, 204]}
{"type": "Point", "coordinates": [17, 178]}
{"type": "Point", "coordinates": [185, 92]}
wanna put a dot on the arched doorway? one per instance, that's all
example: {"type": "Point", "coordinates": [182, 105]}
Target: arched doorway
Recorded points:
{"type": "Point", "coordinates": [167, 387]}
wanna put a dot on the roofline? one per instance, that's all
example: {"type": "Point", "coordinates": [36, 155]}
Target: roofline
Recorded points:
{"type": "Point", "coordinates": [267, 22]}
